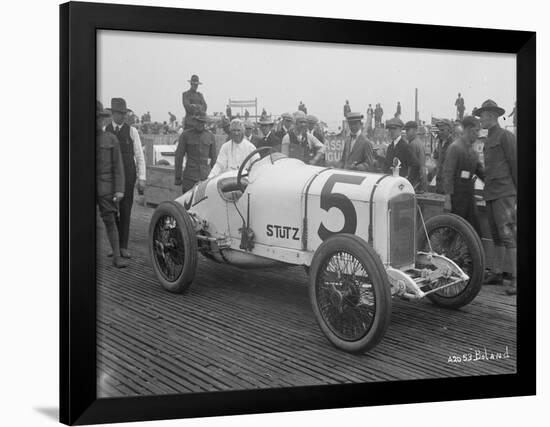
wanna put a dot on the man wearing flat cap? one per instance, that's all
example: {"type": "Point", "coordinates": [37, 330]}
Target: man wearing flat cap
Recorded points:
{"type": "Point", "coordinates": [134, 164]}
{"type": "Point", "coordinates": [199, 145]}
{"type": "Point", "coordinates": [299, 144]}
{"type": "Point", "coordinates": [233, 152]}
{"type": "Point", "coordinates": [501, 177]}
{"type": "Point", "coordinates": [445, 139]}
{"type": "Point", "coordinates": [287, 122]}
{"type": "Point", "coordinates": [417, 176]}
{"type": "Point", "coordinates": [268, 138]}
{"type": "Point", "coordinates": [462, 167]}
{"type": "Point", "coordinates": [109, 182]}
{"type": "Point", "coordinates": [399, 148]}
{"type": "Point", "coordinates": [193, 102]}
{"type": "Point", "coordinates": [358, 151]}
{"type": "Point", "coordinates": [313, 127]}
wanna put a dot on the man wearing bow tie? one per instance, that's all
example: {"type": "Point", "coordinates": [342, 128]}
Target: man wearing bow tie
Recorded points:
{"type": "Point", "coordinates": [358, 151]}
{"type": "Point", "coordinates": [134, 164]}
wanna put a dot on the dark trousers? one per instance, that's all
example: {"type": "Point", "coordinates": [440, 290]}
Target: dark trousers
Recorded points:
{"type": "Point", "coordinates": [187, 184]}
{"type": "Point", "coordinates": [463, 203]}
{"type": "Point", "coordinates": [125, 210]}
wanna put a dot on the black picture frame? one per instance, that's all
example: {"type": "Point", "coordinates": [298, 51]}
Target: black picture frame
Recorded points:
{"type": "Point", "coordinates": [78, 25]}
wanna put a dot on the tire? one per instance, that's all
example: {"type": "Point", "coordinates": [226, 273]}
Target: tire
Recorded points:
{"type": "Point", "coordinates": [173, 247]}
{"type": "Point", "coordinates": [466, 251]}
{"type": "Point", "coordinates": [342, 304]}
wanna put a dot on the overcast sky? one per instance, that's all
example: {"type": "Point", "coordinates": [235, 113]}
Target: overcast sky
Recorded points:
{"type": "Point", "coordinates": [151, 71]}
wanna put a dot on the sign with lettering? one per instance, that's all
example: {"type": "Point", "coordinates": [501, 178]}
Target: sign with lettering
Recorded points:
{"type": "Point", "coordinates": [334, 147]}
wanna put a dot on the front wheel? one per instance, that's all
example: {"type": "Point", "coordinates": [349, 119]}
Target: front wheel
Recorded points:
{"type": "Point", "coordinates": [452, 236]}
{"type": "Point", "coordinates": [173, 247]}
{"type": "Point", "coordinates": [350, 293]}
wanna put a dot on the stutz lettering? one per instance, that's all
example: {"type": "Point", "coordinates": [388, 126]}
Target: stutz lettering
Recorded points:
{"type": "Point", "coordinates": [282, 231]}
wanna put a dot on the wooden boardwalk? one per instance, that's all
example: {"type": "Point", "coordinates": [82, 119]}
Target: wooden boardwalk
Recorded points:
{"type": "Point", "coordinates": [237, 329]}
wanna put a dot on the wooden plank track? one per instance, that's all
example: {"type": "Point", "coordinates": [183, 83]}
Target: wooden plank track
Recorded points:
{"type": "Point", "coordinates": [237, 329]}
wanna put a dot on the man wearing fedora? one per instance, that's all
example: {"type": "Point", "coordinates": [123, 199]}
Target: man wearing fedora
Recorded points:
{"type": "Point", "coordinates": [358, 152]}
{"type": "Point", "coordinates": [445, 139]}
{"type": "Point", "coordinates": [417, 176]}
{"type": "Point", "coordinates": [500, 156]}
{"type": "Point", "coordinates": [268, 138]}
{"type": "Point", "coordinates": [110, 181]}
{"type": "Point", "coordinates": [199, 145]}
{"type": "Point", "coordinates": [134, 166]}
{"type": "Point", "coordinates": [400, 149]}
{"type": "Point", "coordinates": [193, 102]}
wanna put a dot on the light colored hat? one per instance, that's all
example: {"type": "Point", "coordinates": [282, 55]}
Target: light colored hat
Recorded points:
{"type": "Point", "coordinates": [236, 124]}
{"type": "Point", "coordinates": [286, 116]}
{"type": "Point", "coordinates": [352, 117]}
{"type": "Point", "coordinates": [312, 119]}
{"type": "Point", "coordinates": [394, 123]}
{"type": "Point", "coordinates": [248, 124]}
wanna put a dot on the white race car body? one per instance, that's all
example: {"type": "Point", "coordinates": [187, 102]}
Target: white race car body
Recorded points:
{"type": "Point", "coordinates": [292, 208]}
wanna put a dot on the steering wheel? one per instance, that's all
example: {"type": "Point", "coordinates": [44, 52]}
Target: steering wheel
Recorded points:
{"type": "Point", "coordinates": [242, 175]}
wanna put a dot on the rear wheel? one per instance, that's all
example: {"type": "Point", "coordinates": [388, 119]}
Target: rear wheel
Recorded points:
{"type": "Point", "coordinates": [452, 236]}
{"type": "Point", "coordinates": [173, 246]}
{"type": "Point", "coordinates": [350, 293]}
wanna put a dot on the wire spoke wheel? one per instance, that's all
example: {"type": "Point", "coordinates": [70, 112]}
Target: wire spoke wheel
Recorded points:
{"type": "Point", "coordinates": [168, 247]}
{"type": "Point", "coordinates": [346, 296]}
{"type": "Point", "coordinates": [454, 238]}
{"type": "Point", "coordinates": [447, 241]}
{"type": "Point", "coordinates": [350, 293]}
{"type": "Point", "coordinates": [173, 246]}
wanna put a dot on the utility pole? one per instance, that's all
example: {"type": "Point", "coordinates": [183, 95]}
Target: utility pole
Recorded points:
{"type": "Point", "coordinates": [416, 115]}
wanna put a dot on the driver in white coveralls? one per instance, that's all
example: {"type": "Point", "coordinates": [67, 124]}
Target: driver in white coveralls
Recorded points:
{"type": "Point", "coordinates": [234, 151]}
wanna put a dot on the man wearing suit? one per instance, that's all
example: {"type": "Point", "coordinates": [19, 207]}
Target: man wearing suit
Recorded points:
{"type": "Point", "coordinates": [416, 176]}
{"type": "Point", "coordinates": [193, 102]}
{"type": "Point", "coordinates": [286, 125]}
{"type": "Point", "coordinates": [358, 152]}
{"type": "Point", "coordinates": [400, 149]}
{"type": "Point", "coordinates": [268, 138]}
{"type": "Point", "coordinates": [134, 166]}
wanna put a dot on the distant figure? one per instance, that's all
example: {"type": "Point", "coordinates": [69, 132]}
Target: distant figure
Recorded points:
{"type": "Point", "coordinates": [193, 102]}
{"type": "Point", "coordinates": [172, 119]}
{"type": "Point", "coordinates": [514, 115]}
{"type": "Point", "coordinates": [399, 148]}
{"type": "Point", "coordinates": [264, 113]}
{"type": "Point", "coordinates": [347, 108]}
{"type": "Point", "coordinates": [246, 114]}
{"type": "Point", "coordinates": [370, 116]}
{"type": "Point", "coordinates": [398, 110]}
{"type": "Point", "coordinates": [228, 112]}
{"type": "Point", "coordinates": [302, 107]}
{"type": "Point", "coordinates": [378, 113]}
{"type": "Point", "coordinates": [460, 108]}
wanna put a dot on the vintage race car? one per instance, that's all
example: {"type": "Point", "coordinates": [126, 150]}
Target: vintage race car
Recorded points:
{"type": "Point", "coordinates": [355, 233]}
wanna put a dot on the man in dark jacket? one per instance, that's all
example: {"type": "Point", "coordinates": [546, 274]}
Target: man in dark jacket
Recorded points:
{"type": "Point", "coordinates": [445, 139]}
{"type": "Point", "coordinates": [110, 182]}
{"type": "Point", "coordinates": [399, 148]}
{"type": "Point", "coordinates": [268, 138]}
{"type": "Point", "coordinates": [358, 152]}
{"type": "Point", "coordinates": [462, 167]}
{"type": "Point", "coordinates": [200, 147]}
{"type": "Point", "coordinates": [193, 102]}
{"type": "Point", "coordinates": [417, 175]}
{"type": "Point", "coordinates": [134, 167]}
{"type": "Point", "coordinates": [501, 178]}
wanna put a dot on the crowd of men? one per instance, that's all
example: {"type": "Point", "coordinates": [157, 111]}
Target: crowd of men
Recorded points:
{"type": "Point", "coordinates": [298, 135]}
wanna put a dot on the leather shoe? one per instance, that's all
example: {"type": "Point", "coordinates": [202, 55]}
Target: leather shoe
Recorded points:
{"type": "Point", "coordinates": [124, 253]}
{"type": "Point", "coordinates": [120, 262]}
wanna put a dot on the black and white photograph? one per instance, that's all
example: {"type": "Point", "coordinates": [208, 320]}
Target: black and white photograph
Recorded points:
{"type": "Point", "coordinates": [283, 214]}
